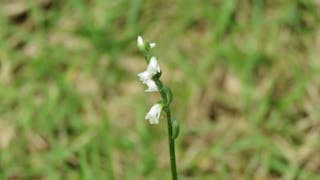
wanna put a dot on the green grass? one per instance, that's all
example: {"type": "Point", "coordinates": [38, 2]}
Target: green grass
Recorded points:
{"type": "Point", "coordinates": [244, 74]}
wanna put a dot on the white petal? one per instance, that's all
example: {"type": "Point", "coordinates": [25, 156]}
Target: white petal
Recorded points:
{"type": "Point", "coordinates": [144, 76]}
{"type": "Point", "coordinates": [152, 87]}
{"type": "Point", "coordinates": [153, 66]}
{"type": "Point", "coordinates": [152, 45]}
{"type": "Point", "coordinates": [154, 114]}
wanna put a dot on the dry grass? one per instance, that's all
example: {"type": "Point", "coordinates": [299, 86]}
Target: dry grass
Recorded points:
{"type": "Point", "coordinates": [245, 78]}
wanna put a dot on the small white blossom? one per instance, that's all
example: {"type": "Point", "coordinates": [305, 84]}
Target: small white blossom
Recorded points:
{"type": "Point", "coordinates": [154, 114]}
{"type": "Point", "coordinates": [147, 75]}
{"type": "Point", "coordinates": [152, 45]}
{"type": "Point", "coordinates": [144, 76]}
{"type": "Point", "coordinates": [153, 66]}
{"type": "Point", "coordinates": [152, 87]}
{"type": "Point", "coordinates": [140, 42]}
{"type": "Point", "coordinates": [152, 69]}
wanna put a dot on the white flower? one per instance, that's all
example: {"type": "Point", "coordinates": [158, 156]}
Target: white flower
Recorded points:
{"type": "Point", "coordinates": [140, 43]}
{"type": "Point", "coordinates": [153, 66]}
{"type": "Point", "coordinates": [152, 87]}
{"type": "Point", "coordinates": [154, 114]}
{"type": "Point", "coordinates": [152, 69]}
{"type": "Point", "coordinates": [146, 76]}
{"type": "Point", "coordinates": [152, 45]}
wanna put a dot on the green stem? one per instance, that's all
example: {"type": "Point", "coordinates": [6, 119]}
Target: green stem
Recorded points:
{"type": "Point", "coordinates": [171, 146]}
{"type": "Point", "coordinates": [166, 109]}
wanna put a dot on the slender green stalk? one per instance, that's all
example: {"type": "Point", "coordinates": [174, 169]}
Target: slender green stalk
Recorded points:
{"type": "Point", "coordinates": [166, 109]}
{"type": "Point", "coordinates": [166, 97]}
{"type": "Point", "coordinates": [171, 146]}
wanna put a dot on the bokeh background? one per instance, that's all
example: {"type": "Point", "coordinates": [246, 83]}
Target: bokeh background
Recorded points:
{"type": "Point", "coordinates": [244, 74]}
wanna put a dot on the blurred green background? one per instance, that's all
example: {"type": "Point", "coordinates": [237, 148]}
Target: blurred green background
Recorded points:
{"type": "Point", "coordinates": [244, 74]}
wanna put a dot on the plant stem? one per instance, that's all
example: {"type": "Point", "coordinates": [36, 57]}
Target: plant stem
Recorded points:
{"type": "Point", "coordinates": [166, 102]}
{"type": "Point", "coordinates": [166, 109]}
{"type": "Point", "coordinates": [171, 145]}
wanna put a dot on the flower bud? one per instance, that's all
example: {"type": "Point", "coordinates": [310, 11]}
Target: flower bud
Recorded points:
{"type": "Point", "coordinates": [141, 44]}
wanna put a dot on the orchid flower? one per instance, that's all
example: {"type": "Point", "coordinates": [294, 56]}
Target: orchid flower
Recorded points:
{"type": "Point", "coordinates": [151, 77]}
{"type": "Point", "coordinates": [152, 87]}
{"type": "Point", "coordinates": [154, 114]}
{"type": "Point", "coordinates": [152, 69]}
{"type": "Point", "coordinates": [147, 75]}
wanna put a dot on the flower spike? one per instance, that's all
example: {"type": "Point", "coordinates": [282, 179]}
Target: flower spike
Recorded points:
{"type": "Point", "coordinates": [151, 77]}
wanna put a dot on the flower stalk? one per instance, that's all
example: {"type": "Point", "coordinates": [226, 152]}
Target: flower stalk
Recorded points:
{"type": "Point", "coordinates": [151, 77]}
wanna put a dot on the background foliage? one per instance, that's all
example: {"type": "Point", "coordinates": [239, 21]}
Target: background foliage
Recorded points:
{"type": "Point", "coordinates": [245, 78]}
